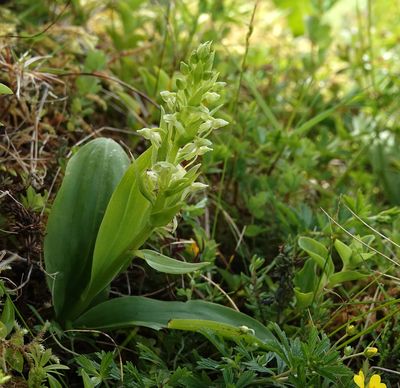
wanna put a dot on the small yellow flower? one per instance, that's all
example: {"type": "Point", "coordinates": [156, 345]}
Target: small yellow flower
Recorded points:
{"type": "Point", "coordinates": [359, 379]}
{"type": "Point", "coordinates": [193, 249]}
{"type": "Point", "coordinates": [374, 382]}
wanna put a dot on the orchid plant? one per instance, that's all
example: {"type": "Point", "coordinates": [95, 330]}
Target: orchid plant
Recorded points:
{"type": "Point", "coordinates": [108, 206]}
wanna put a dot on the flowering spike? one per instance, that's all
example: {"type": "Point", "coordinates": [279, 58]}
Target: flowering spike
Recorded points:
{"type": "Point", "coordinates": [186, 122]}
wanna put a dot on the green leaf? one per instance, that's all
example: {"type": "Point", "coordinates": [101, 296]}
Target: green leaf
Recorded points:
{"type": "Point", "coordinates": [95, 60]}
{"type": "Point", "coordinates": [166, 264]}
{"type": "Point", "coordinates": [296, 12]}
{"type": "Point", "coordinates": [345, 253]}
{"type": "Point", "coordinates": [90, 178]}
{"type": "Point", "coordinates": [164, 216]}
{"type": "Point", "coordinates": [315, 249]}
{"type": "Point", "coordinates": [266, 110]}
{"type": "Point", "coordinates": [8, 316]}
{"type": "Point", "coordinates": [15, 359]}
{"type": "Point", "coordinates": [137, 310]}
{"type": "Point", "coordinates": [384, 159]}
{"type": "Point", "coordinates": [3, 330]}
{"type": "Point", "coordinates": [303, 299]}
{"type": "Point", "coordinates": [125, 227]}
{"type": "Point", "coordinates": [225, 330]}
{"type": "Point", "coordinates": [303, 129]}
{"type": "Point", "coordinates": [306, 279]}
{"type": "Point", "coordinates": [345, 276]}
{"type": "Point", "coordinates": [87, 383]}
{"type": "Point", "coordinates": [5, 89]}
{"type": "Point", "coordinates": [148, 79]}
{"type": "Point", "coordinates": [53, 382]}
{"type": "Point", "coordinates": [232, 280]}
{"type": "Point", "coordinates": [359, 257]}
{"type": "Point", "coordinates": [254, 230]}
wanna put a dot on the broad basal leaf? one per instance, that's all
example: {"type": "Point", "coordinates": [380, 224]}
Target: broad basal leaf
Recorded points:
{"type": "Point", "coordinates": [90, 178]}
{"type": "Point", "coordinates": [125, 227]}
{"type": "Point", "coordinates": [223, 329]}
{"type": "Point", "coordinates": [137, 310]}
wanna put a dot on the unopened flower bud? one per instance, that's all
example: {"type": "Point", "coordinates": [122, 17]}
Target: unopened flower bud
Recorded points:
{"type": "Point", "coordinates": [166, 95]}
{"type": "Point", "coordinates": [211, 97]}
{"type": "Point", "coordinates": [204, 50]}
{"type": "Point", "coordinates": [246, 330]}
{"type": "Point", "coordinates": [169, 98]}
{"type": "Point", "coordinates": [370, 352]}
{"type": "Point", "coordinates": [151, 134]}
{"type": "Point", "coordinates": [181, 83]}
{"type": "Point", "coordinates": [351, 330]}
{"type": "Point", "coordinates": [198, 186]}
{"type": "Point", "coordinates": [348, 350]}
{"type": "Point", "coordinates": [205, 126]}
{"type": "Point", "coordinates": [184, 68]}
{"type": "Point", "coordinates": [218, 123]}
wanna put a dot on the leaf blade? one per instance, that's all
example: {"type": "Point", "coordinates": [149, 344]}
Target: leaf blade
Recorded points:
{"type": "Point", "coordinates": [8, 315]}
{"type": "Point", "coordinates": [156, 314]}
{"type": "Point", "coordinates": [90, 178]}
{"type": "Point", "coordinates": [166, 264]}
{"type": "Point", "coordinates": [5, 89]}
{"type": "Point", "coordinates": [125, 226]}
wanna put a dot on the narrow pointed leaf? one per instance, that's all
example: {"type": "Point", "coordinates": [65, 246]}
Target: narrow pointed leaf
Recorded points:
{"type": "Point", "coordinates": [344, 251]}
{"type": "Point", "coordinates": [166, 264]}
{"type": "Point", "coordinates": [125, 227]}
{"type": "Point", "coordinates": [140, 311]}
{"type": "Point", "coordinates": [345, 276]}
{"type": "Point", "coordinates": [223, 329]}
{"type": "Point", "coordinates": [266, 110]}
